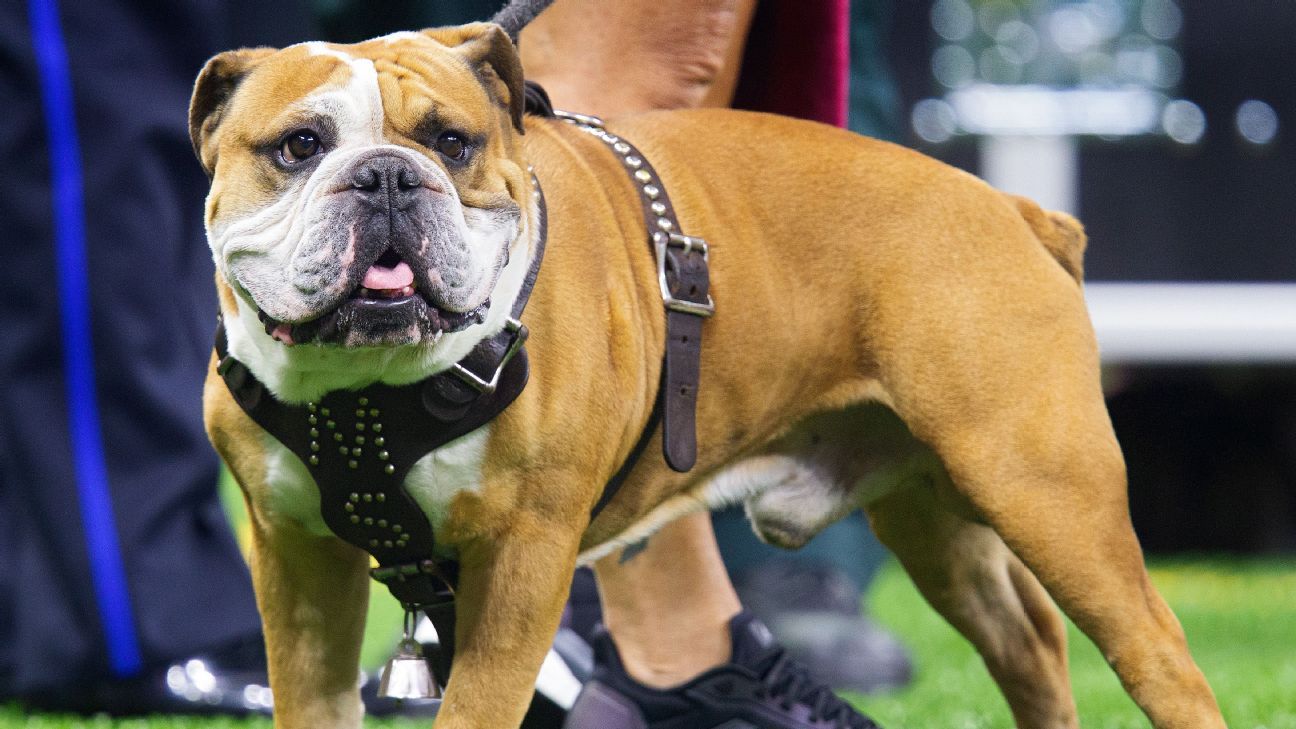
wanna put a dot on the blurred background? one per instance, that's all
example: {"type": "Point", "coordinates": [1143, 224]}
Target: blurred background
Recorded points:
{"type": "Point", "coordinates": [1169, 127]}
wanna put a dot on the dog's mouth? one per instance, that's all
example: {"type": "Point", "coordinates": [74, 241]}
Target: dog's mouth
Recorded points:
{"type": "Point", "coordinates": [385, 307]}
{"type": "Point", "coordinates": [389, 278]}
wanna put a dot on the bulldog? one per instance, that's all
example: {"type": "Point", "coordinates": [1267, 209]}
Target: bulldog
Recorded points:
{"type": "Point", "coordinates": [889, 333]}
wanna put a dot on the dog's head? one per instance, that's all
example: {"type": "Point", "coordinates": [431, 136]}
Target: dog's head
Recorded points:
{"type": "Point", "coordinates": [370, 195]}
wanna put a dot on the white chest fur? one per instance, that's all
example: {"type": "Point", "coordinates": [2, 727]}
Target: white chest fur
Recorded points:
{"type": "Point", "coordinates": [433, 481]}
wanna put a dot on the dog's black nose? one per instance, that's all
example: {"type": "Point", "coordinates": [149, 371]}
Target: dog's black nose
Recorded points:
{"type": "Point", "coordinates": [385, 176]}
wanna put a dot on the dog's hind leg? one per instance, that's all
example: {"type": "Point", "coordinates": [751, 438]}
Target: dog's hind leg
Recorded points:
{"type": "Point", "coordinates": [969, 576]}
{"type": "Point", "coordinates": [1053, 488]}
{"type": "Point", "coordinates": [1004, 387]}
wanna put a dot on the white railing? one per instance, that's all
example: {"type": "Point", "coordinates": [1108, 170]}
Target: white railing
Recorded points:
{"type": "Point", "coordinates": [1194, 322]}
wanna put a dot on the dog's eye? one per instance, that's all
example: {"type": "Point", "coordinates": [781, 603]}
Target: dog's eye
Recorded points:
{"type": "Point", "coordinates": [300, 145]}
{"type": "Point", "coordinates": [452, 146]}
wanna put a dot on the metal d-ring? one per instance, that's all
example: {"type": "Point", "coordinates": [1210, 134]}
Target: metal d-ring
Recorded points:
{"type": "Point", "coordinates": [486, 387]}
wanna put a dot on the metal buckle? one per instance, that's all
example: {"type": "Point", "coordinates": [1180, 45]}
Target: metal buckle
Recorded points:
{"type": "Point", "coordinates": [485, 387]}
{"type": "Point", "coordinates": [585, 119]}
{"type": "Point", "coordinates": [662, 241]}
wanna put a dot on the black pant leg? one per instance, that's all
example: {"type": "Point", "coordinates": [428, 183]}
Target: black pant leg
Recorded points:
{"type": "Point", "coordinates": [148, 308]}
{"type": "Point", "coordinates": [48, 603]}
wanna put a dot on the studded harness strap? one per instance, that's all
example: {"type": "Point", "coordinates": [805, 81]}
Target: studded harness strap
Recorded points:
{"type": "Point", "coordinates": [360, 445]}
{"type": "Point", "coordinates": [684, 280]}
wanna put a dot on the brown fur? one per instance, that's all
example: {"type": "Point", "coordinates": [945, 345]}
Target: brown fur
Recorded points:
{"type": "Point", "coordinates": [849, 275]}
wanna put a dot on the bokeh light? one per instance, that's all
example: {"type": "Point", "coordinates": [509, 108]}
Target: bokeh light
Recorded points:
{"type": "Point", "coordinates": [1256, 122]}
{"type": "Point", "coordinates": [934, 120]}
{"type": "Point", "coordinates": [1183, 121]}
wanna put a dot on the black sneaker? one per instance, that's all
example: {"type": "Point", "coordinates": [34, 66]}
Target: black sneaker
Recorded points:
{"type": "Point", "coordinates": [760, 688]}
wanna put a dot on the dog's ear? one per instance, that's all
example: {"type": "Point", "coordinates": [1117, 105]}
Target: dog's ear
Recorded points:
{"type": "Point", "coordinates": [492, 55]}
{"type": "Point", "coordinates": [212, 91]}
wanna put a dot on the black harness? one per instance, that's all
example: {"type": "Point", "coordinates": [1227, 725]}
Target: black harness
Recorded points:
{"type": "Point", "coordinates": [360, 445]}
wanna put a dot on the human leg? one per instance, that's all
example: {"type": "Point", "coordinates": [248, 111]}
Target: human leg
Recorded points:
{"type": "Point", "coordinates": [675, 588]}
{"type": "Point", "coordinates": [679, 652]}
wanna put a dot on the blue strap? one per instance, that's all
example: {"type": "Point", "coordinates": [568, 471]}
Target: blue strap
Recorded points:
{"type": "Point", "coordinates": [104, 552]}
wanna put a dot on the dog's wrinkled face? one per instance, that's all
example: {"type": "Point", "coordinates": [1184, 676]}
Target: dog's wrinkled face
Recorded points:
{"type": "Point", "coordinates": [368, 195]}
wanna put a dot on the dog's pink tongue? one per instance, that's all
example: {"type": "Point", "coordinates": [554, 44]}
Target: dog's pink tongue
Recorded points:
{"type": "Point", "coordinates": [381, 277]}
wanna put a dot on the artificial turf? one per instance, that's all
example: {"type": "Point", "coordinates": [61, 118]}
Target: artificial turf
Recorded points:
{"type": "Point", "coordinates": [1240, 616]}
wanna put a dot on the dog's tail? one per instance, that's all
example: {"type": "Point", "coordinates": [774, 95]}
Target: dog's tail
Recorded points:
{"type": "Point", "coordinates": [1062, 235]}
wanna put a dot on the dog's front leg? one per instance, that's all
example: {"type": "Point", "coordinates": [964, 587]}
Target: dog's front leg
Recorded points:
{"type": "Point", "coordinates": [512, 586]}
{"type": "Point", "coordinates": [313, 593]}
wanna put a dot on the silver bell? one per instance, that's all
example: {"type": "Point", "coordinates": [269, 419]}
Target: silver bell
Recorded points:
{"type": "Point", "coordinates": [406, 675]}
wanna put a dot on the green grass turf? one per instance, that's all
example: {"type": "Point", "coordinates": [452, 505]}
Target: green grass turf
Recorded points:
{"type": "Point", "coordinates": [1240, 616]}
